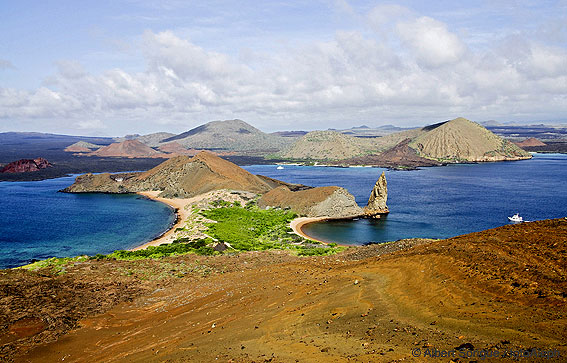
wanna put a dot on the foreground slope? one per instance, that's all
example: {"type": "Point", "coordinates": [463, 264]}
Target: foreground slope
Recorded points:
{"type": "Point", "coordinates": [498, 290]}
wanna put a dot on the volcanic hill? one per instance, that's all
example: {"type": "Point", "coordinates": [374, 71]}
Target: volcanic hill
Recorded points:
{"type": "Point", "coordinates": [128, 149]}
{"type": "Point", "coordinates": [325, 145]}
{"type": "Point", "coordinates": [151, 140]}
{"type": "Point", "coordinates": [230, 135]}
{"type": "Point", "coordinates": [463, 140]}
{"type": "Point", "coordinates": [82, 147]}
{"type": "Point", "coordinates": [185, 177]}
{"type": "Point", "coordinates": [458, 140]}
{"type": "Point", "coordinates": [530, 142]}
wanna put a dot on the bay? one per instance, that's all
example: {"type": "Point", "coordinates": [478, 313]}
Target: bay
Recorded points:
{"type": "Point", "coordinates": [439, 202]}
{"type": "Point", "coordinates": [37, 222]}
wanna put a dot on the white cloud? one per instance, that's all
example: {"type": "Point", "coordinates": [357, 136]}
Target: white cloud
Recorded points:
{"type": "Point", "coordinates": [91, 125]}
{"type": "Point", "coordinates": [422, 72]}
{"type": "Point", "coordinates": [431, 42]}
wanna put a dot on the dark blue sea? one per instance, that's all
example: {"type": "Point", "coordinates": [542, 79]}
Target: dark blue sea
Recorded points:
{"type": "Point", "coordinates": [37, 222]}
{"type": "Point", "coordinates": [439, 202]}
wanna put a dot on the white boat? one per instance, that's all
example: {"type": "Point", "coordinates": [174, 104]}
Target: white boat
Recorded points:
{"type": "Point", "coordinates": [280, 167]}
{"type": "Point", "coordinates": [516, 218]}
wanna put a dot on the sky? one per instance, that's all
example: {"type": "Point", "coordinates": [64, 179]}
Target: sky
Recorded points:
{"type": "Point", "coordinates": [119, 67]}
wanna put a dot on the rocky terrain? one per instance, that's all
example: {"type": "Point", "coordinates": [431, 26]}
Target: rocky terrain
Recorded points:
{"type": "Point", "coordinates": [185, 177]}
{"type": "Point", "coordinates": [26, 166]}
{"type": "Point", "coordinates": [332, 201]}
{"type": "Point", "coordinates": [501, 290]}
{"type": "Point", "coordinates": [376, 205]}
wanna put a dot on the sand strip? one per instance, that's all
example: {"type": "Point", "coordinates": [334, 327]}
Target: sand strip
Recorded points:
{"type": "Point", "coordinates": [297, 223]}
{"type": "Point", "coordinates": [182, 215]}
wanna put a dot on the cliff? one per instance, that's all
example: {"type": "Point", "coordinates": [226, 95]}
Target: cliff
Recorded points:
{"type": "Point", "coordinates": [332, 202]}
{"type": "Point", "coordinates": [26, 165]}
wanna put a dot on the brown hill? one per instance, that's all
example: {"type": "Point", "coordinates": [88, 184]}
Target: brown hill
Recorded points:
{"type": "Point", "coordinates": [180, 176]}
{"type": "Point", "coordinates": [400, 156]}
{"type": "Point", "coordinates": [176, 148]}
{"type": "Point", "coordinates": [463, 140]}
{"type": "Point", "coordinates": [315, 202]}
{"type": "Point", "coordinates": [184, 176]}
{"type": "Point", "coordinates": [532, 141]}
{"type": "Point", "coordinates": [26, 165]}
{"type": "Point", "coordinates": [128, 149]}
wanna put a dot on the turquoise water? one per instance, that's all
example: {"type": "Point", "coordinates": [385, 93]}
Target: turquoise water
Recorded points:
{"type": "Point", "coordinates": [439, 202]}
{"type": "Point", "coordinates": [37, 222]}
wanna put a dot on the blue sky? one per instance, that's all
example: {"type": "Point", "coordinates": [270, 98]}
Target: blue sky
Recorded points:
{"type": "Point", "coordinates": [136, 66]}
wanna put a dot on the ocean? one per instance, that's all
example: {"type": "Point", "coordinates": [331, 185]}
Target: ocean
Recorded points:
{"type": "Point", "coordinates": [439, 202]}
{"type": "Point", "coordinates": [37, 222]}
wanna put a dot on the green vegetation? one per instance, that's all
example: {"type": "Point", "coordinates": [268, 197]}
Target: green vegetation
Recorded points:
{"type": "Point", "coordinates": [57, 265]}
{"type": "Point", "coordinates": [247, 228]}
{"type": "Point", "coordinates": [251, 228]}
{"type": "Point", "coordinates": [173, 249]}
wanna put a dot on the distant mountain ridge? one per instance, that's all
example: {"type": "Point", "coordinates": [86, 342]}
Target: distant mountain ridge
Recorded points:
{"type": "Point", "coordinates": [230, 135]}
{"type": "Point", "coordinates": [458, 140]}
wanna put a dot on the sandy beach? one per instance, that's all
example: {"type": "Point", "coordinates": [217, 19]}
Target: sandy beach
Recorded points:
{"type": "Point", "coordinates": [182, 215]}
{"type": "Point", "coordinates": [297, 223]}
{"type": "Point", "coordinates": [183, 208]}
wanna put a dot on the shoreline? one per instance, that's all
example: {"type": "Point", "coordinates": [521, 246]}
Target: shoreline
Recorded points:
{"type": "Point", "coordinates": [181, 213]}
{"type": "Point", "coordinates": [297, 224]}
